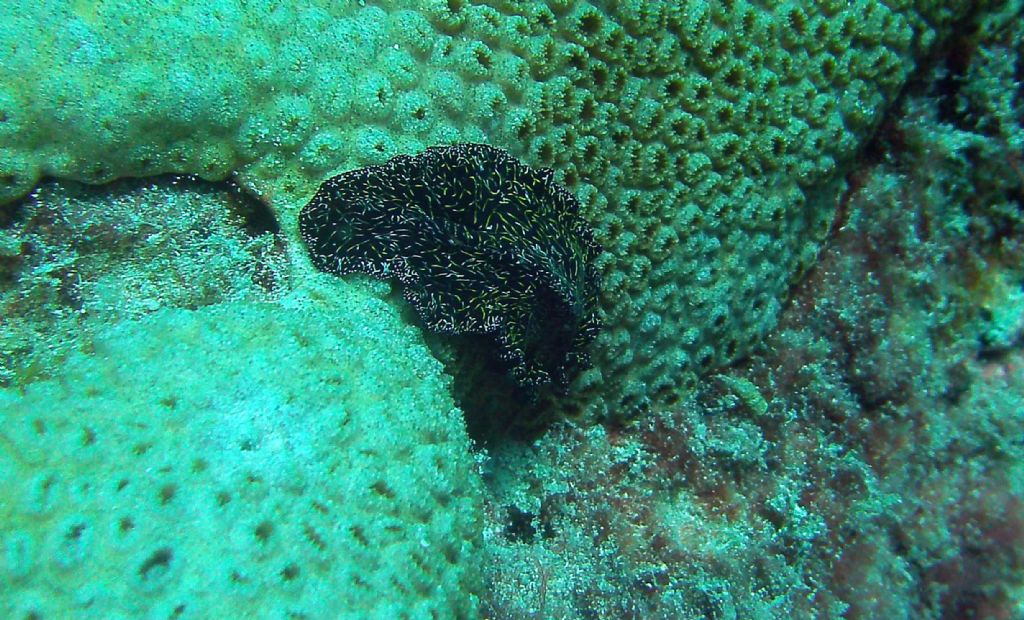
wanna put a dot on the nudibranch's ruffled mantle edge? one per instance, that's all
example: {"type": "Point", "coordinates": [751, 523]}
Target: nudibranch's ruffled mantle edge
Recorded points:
{"type": "Point", "coordinates": [481, 244]}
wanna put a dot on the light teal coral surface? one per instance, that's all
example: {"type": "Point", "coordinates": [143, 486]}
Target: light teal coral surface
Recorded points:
{"type": "Point", "coordinates": [701, 136]}
{"type": "Point", "coordinates": [808, 394]}
{"type": "Point", "coordinates": [241, 460]}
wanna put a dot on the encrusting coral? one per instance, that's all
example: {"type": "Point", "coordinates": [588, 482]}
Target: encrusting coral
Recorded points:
{"type": "Point", "coordinates": [868, 462]}
{"type": "Point", "coordinates": [241, 460]}
{"type": "Point", "coordinates": [864, 466]}
{"type": "Point", "coordinates": [701, 138]}
{"type": "Point", "coordinates": [481, 244]}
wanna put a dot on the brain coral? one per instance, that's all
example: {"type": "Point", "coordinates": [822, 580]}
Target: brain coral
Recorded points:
{"type": "Point", "coordinates": [701, 137]}
{"type": "Point", "coordinates": [159, 478]}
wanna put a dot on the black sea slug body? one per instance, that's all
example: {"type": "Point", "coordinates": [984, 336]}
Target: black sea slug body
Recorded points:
{"type": "Point", "coordinates": [481, 244]}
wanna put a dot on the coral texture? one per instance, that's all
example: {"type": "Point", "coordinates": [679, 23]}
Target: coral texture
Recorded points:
{"type": "Point", "coordinates": [481, 244]}
{"type": "Point", "coordinates": [868, 462]}
{"type": "Point", "coordinates": [160, 477]}
{"type": "Point", "coordinates": [74, 252]}
{"type": "Point", "coordinates": [699, 136]}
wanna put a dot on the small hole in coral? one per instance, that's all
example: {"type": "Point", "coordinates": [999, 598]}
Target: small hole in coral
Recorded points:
{"type": "Point", "coordinates": [591, 23]}
{"type": "Point", "coordinates": [673, 87]}
{"type": "Point", "coordinates": [264, 531]}
{"type": "Point", "coordinates": [828, 67]}
{"type": "Point", "coordinates": [546, 153]}
{"type": "Point", "coordinates": [314, 537]}
{"type": "Point", "coordinates": [483, 58]}
{"type": "Point", "coordinates": [749, 20]}
{"type": "Point", "coordinates": [519, 527]}
{"type": "Point", "coordinates": [724, 114]}
{"type": "Point", "coordinates": [290, 572]}
{"type": "Point", "coordinates": [797, 21]}
{"type": "Point", "coordinates": [734, 77]}
{"type": "Point", "coordinates": [167, 493]}
{"type": "Point", "coordinates": [730, 150]}
{"type": "Point", "coordinates": [359, 535]}
{"type": "Point", "coordinates": [125, 525]}
{"type": "Point", "coordinates": [778, 146]}
{"type": "Point", "coordinates": [74, 532]}
{"type": "Point", "coordinates": [720, 49]}
{"type": "Point", "coordinates": [156, 564]}
{"type": "Point", "coordinates": [588, 110]}
{"type": "Point", "coordinates": [381, 488]}
{"type": "Point", "coordinates": [577, 60]}
{"type": "Point", "coordinates": [545, 18]}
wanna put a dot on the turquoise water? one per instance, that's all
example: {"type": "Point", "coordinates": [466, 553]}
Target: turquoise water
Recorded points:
{"type": "Point", "coordinates": [789, 383]}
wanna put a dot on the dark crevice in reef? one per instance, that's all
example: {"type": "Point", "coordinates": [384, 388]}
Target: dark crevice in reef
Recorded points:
{"type": "Point", "coordinates": [494, 406]}
{"type": "Point", "coordinates": [953, 59]}
{"type": "Point", "coordinates": [257, 216]}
